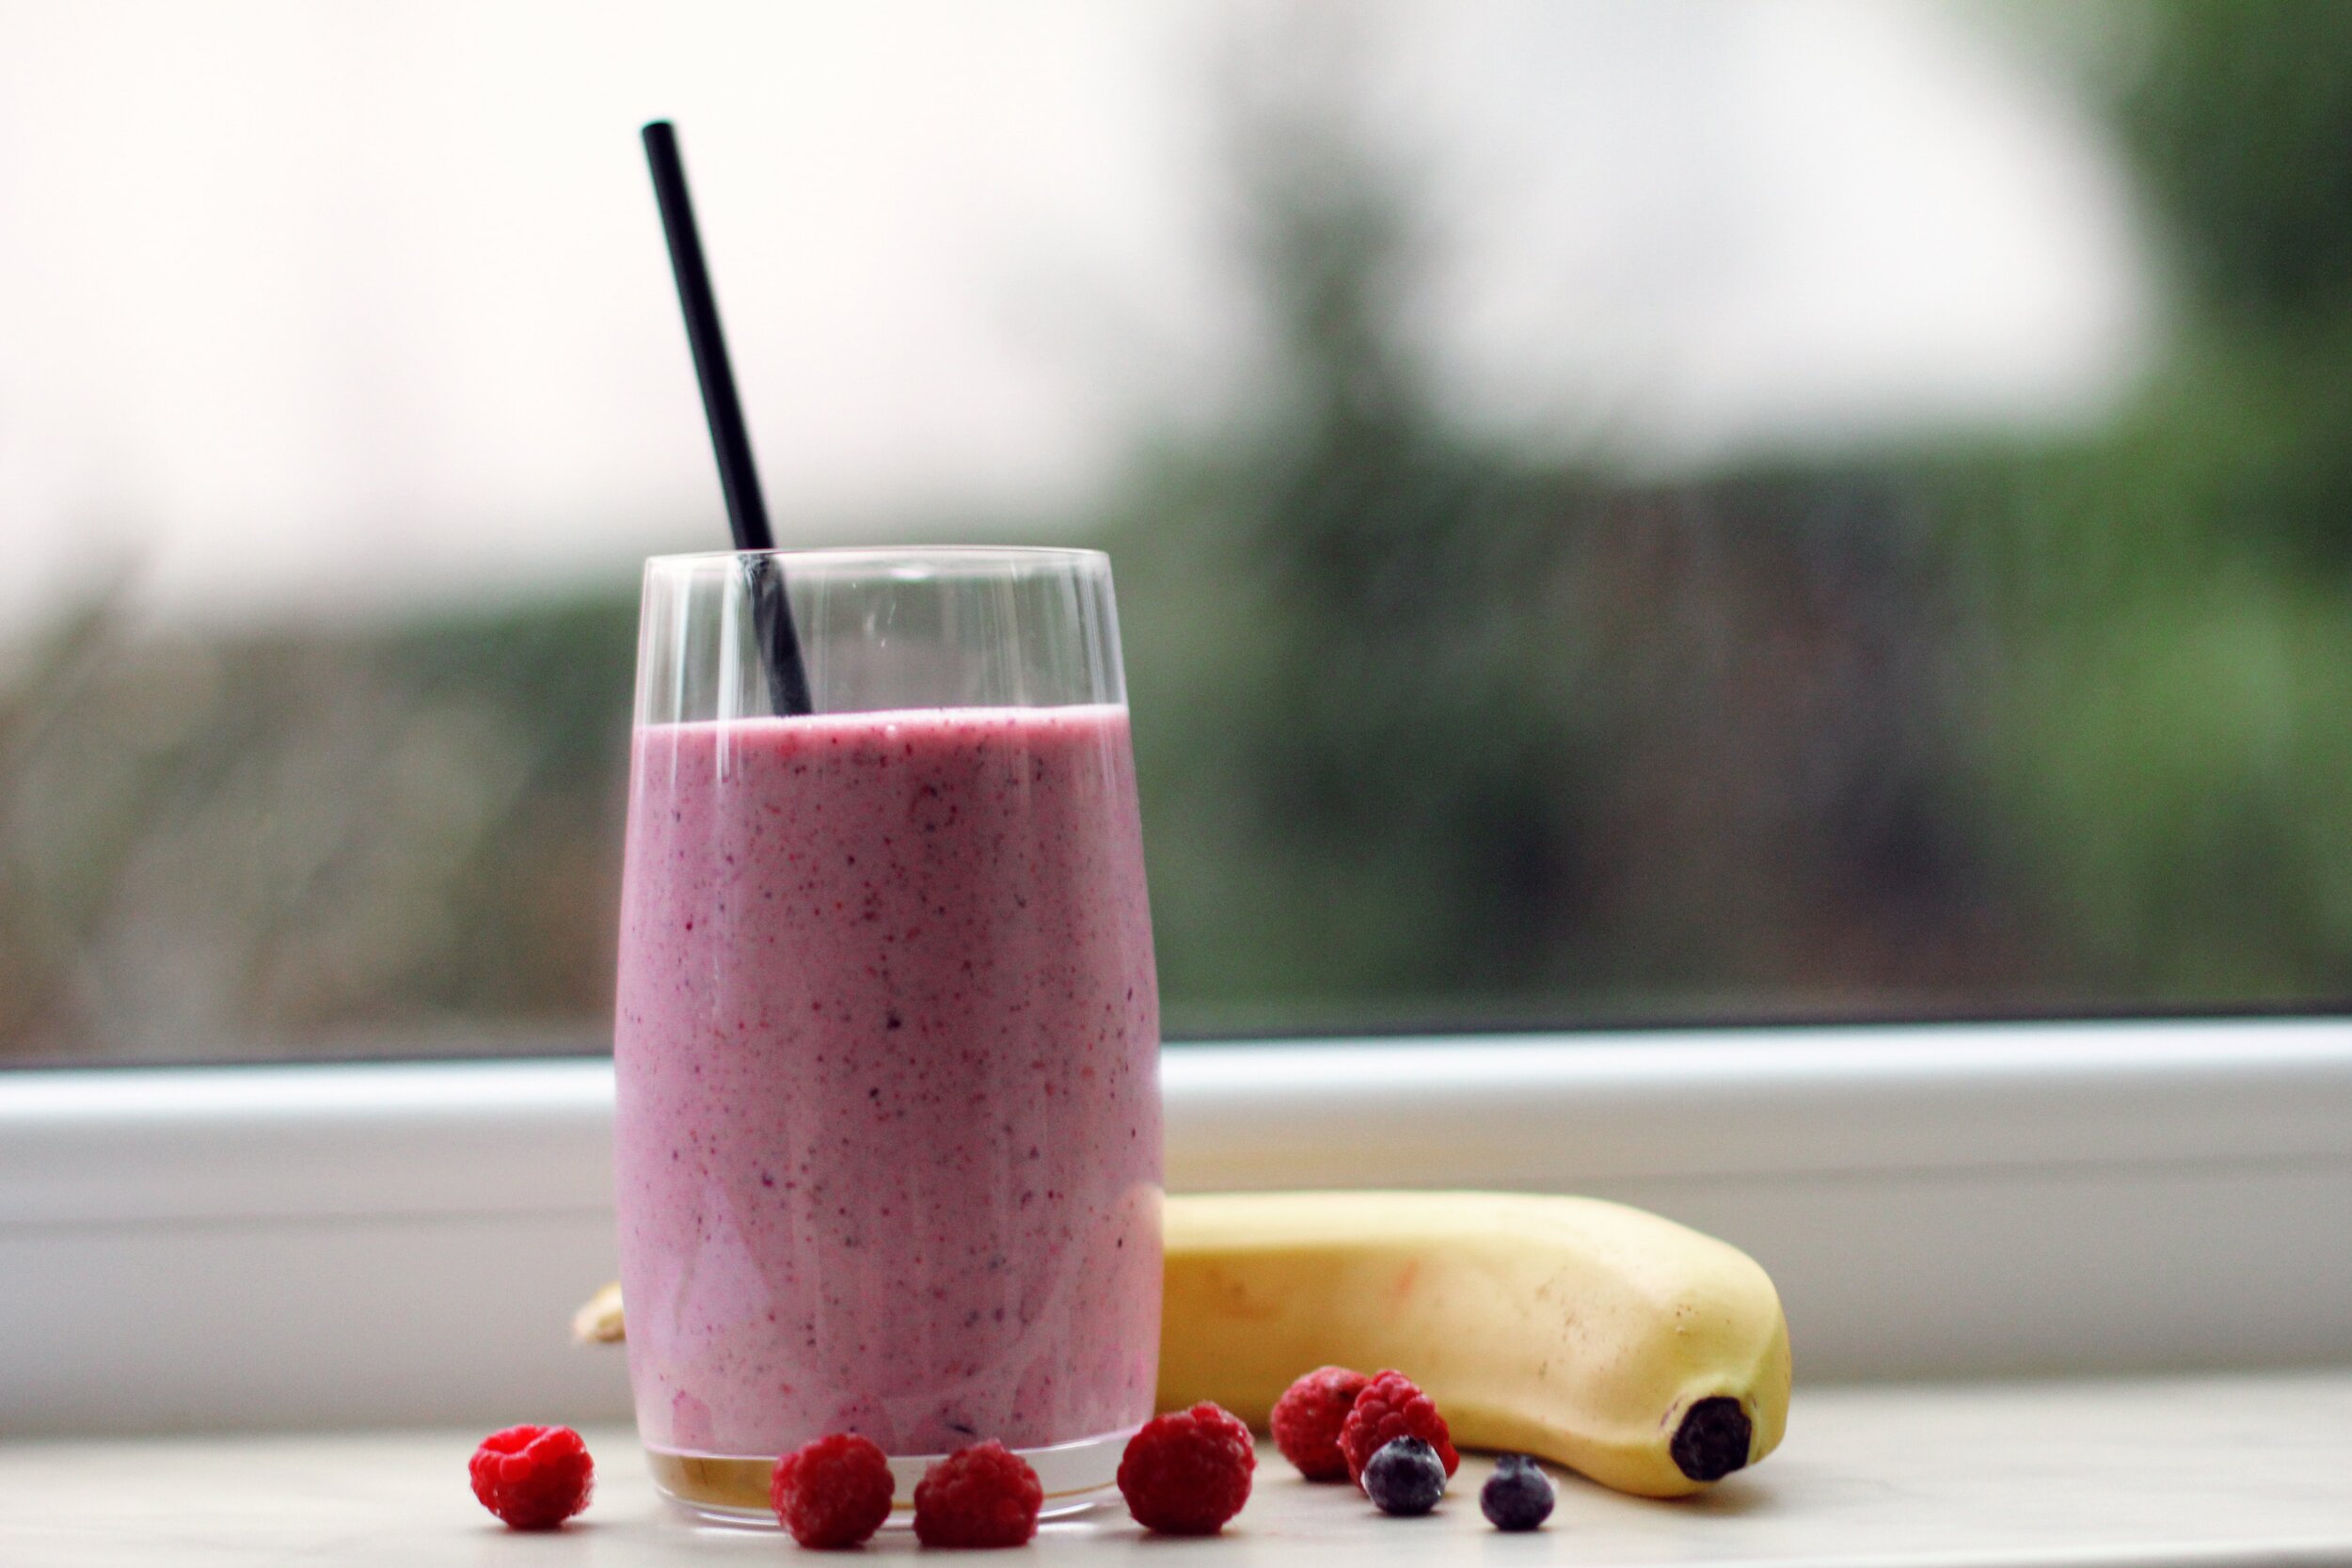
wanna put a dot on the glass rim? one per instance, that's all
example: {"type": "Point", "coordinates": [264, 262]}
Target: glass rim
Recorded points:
{"type": "Point", "coordinates": [834, 559]}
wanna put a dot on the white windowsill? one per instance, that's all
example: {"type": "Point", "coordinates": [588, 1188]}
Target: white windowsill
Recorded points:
{"type": "Point", "coordinates": [365, 1244]}
{"type": "Point", "coordinates": [2217, 1472]}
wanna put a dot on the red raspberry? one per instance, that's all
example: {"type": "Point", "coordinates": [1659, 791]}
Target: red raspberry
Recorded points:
{"type": "Point", "coordinates": [534, 1478]}
{"type": "Point", "coordinates": [984, 1496]}
{"type": "Point", "coordinates": [835, 1492]}
{"type": "Point", "coordinates": [1389, 1408]}
{"type": "Point", "coordinates": [1187, 1473]}
{"type": "Point", "coordinates": [1308, 1417]}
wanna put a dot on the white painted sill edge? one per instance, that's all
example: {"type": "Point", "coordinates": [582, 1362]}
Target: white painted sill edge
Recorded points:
{"type": "Point", "coordinates": [370, 1243]}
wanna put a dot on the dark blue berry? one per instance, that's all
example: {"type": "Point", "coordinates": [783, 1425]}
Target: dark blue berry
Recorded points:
{"type": "Point", "coordinates": [1405, 1477]}
{"type": "Point", "coordinates": [1517, 1496]}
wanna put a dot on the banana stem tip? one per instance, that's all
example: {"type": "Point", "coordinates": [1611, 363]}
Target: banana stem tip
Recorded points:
{"type": "Point", "coordinates": [1713, 1440]}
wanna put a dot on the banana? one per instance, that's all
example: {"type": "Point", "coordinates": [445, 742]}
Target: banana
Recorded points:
{"type": "Point", "coordinates": [1649, 1357]}
{"type": "Point", "coordinates": [600, 1320]}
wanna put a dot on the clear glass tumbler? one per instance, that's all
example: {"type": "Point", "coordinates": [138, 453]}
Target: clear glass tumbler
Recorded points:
{"type": "Point", "coordinates": [888, 1134]}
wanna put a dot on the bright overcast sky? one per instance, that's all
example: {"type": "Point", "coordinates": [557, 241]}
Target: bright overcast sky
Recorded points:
{"type": "Point", "coordinates": [309, 307]}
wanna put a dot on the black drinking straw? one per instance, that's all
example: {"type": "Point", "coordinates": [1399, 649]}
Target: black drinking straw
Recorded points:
{"type": "Point", "coordinates": [747, 512]}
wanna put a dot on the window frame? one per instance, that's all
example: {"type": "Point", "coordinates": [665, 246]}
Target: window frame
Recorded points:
{"type": "Point", "coordinates": [392, 1243]}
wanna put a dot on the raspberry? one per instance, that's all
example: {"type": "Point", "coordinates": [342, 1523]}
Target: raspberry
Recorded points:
{"type": "Point", "coordinates": [1308, 1416]}
{"type": "Point", "coordinates": [534, 1478]}
{"type": "Point", "coordinates": [984, 1496]}
{"type": "Point", "coordinates": [835, 1492]}
{"type": "Point", "coordinates": [1389, 1408]}
{"type": "Point", "coordinates": [1188, 1472]}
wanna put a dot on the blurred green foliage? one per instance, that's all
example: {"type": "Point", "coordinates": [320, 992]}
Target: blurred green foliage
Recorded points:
{"type": "Point", "coordinates": [385, 841]}
{"type": "Point", "coordinates": [2237, 117]}
{"type": "Point", "coordinates": [1433, 730]}
{"type": "Point", "coordinates": [2167, 698]}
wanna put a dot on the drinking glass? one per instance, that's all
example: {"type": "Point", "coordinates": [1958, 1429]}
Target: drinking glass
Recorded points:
{"type": "Point", "coordinates": [887, 1141]}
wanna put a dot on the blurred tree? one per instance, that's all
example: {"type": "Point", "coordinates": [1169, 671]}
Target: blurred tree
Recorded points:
{"type": "Point", "coordinates": [292, 843]}
{"type": "Point", "coordinates": [1433, 730]}
{"type": "Point", "coordinates": [1430, 725]}
{"type": "Point", "coordinates": [2238, 116]}
{"type": "Point", "coordinates": [2166, 692]}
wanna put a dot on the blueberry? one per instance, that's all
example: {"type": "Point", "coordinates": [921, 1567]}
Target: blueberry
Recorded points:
{"type": "Point", "coordinates": [1517, 1496]}
{"type": "Point", "coordinates": [1405, 1477]}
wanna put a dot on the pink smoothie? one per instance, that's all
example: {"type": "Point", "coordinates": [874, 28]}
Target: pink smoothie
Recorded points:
{"type": "Point", "coordinates": [888, 1136]}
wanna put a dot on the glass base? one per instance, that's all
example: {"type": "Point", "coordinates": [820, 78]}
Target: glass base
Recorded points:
{"type": "Point", "coordinates": [730, 1489]}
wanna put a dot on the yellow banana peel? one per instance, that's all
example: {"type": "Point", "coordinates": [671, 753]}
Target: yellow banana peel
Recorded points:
{"type": "Point", "coordinates": [1638, 1352]}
